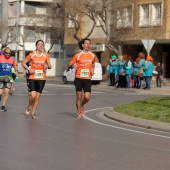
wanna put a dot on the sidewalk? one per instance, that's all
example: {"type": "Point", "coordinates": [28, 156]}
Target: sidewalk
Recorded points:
{"type": "Point", "coordinates": [149, 124]}
{"type": "Point", "coordinates": [164, 90]}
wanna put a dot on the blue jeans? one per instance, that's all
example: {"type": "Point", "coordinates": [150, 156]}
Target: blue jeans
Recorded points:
{"type": "Point", "coordinates": [148, 82]}
{"type": "Point", "coordinates": [128, 80]}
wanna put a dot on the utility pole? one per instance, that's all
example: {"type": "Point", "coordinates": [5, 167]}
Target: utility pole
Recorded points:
{"type": "Point", "coordinates": [16, 48]}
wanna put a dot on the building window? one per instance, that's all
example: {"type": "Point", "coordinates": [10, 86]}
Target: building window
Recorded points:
{"type": "Point", "coordinates": [156, 14]}
{"type": "Point", "coordinates": [150, 14]}
{"type": "Point", "coordinates": [144, 15]}
{"type": "Point", "coordinates": [72, 21]}
{"type": "Point", "coordinates": [124, 17]}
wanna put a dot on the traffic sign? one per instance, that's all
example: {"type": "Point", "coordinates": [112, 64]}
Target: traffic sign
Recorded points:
{"type": "Point", "coordinates": [148, 44]}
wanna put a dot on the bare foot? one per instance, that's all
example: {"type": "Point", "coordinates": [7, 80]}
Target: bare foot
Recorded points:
{"type": "Point", "coordinates": [82, 110]}
{"type": "Point", "coordinates": [79, 116]}
{"type": "Point", "coordinates": [27, 111]}
{"type": "Point", "coordinates": [34, 117]}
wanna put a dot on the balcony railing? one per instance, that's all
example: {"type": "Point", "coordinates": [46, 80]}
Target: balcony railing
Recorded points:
{"type": "Point", "coordinates": [40, 20]}
{"type": "Point", "coordinates": [35, 0]}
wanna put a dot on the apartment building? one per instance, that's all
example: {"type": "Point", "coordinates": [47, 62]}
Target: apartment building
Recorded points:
{"type": "Point", "coordinates": [28, 21]}
{"type": "Point", "coordinates": [145, 19]}
{"type": "Point", "coordinates": [130, 22]}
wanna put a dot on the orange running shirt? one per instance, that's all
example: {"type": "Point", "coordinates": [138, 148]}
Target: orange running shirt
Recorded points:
{"type": "Point", "coordinates": [84, 62]}
{"type": "Point", "coordinates": [37, 64]}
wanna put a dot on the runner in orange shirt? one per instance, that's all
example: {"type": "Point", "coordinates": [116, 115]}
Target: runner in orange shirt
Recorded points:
{"type": "Point", "coordinates": [40, 61]}
{"type": "Point", "coordinates": [83, 62]}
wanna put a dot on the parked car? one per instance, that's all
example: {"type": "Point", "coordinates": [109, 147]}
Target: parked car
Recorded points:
{"type": "Point", "coordinates": [69, 74]}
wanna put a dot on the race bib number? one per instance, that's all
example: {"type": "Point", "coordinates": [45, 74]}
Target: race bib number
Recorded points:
{"type": "Point", "coordinates": [38, 74]}
{"type": "Point", "coordinates": [84, 73]}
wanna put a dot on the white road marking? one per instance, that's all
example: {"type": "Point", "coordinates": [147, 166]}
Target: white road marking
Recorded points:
{"type": "Point", "coordinates": [117, 127]}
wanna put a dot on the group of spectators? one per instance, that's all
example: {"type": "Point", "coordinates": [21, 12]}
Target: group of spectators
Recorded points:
{"type": "Point", "coordinates": [127, 73]}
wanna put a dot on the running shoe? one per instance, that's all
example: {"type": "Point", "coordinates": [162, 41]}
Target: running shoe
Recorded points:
{"type": "Point", "coordinates": [3, 109]}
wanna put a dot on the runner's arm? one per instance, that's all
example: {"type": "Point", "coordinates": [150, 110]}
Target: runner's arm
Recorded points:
{"type": "Point", "coordinates": [24, 64]}
{"type": "Point", "coordinates": [16, 69]}
{"type": "Point", "coordinates": [92, 70]}
{"type": "Point", "coordinates": [15, 66]}
{"type": "Point", "coordinates": [73, 61]}
{"type": "Point", "coordinates": [49, 64]}
{"type": "Point", "coordinates": [93, 66]}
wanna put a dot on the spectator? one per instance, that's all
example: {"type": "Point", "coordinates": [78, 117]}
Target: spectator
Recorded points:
{"type": "Point", "coordinates": [140, 64]}
{"type": "Point", "coordinates": [113, 69]}
{"type": "Point", "coordinates": [148, 71]}
{"type": "Point", "coordinates": [121, 70]}
{"type": "Point", "coordinates": [135, 73]}
{"type": "Point", "coordinates": [159, 75]}
{"type": "Point", "coordinates": [129, 70]}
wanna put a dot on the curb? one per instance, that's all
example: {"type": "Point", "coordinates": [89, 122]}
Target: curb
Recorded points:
{"type": "Point", "coordinates": [148, 124]}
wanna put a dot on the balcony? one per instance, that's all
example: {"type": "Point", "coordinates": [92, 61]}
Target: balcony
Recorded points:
{"type": "Point", "coordinates": [57, 1]}
{"type": "Point", "coordinates": [39, 20]}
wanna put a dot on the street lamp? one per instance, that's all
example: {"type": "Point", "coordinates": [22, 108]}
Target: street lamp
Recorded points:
{"type": "Point", "coordinates": [16, 48]}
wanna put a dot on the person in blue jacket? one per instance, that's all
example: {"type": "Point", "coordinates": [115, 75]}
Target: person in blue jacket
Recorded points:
{"type": "Point", "coordinates": [148, 71]}
{"type": "Point", "coordinates": [140, 64]}
{"type": "Point", "coordinates": [113, 69]}
{"type": "Point", "coordinates": [136, 72]}
{"type": "Point", "coordinates": [129, 70]}
{"type": "Point", "coordinates": [122, 72]}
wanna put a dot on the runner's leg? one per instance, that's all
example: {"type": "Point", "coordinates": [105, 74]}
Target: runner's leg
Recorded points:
{"type": "Point", "coordinates": [78, 103]}
{"type": "Point", "coordinates": [35, 104]}
{"type": "Point", "coordinates": [31, 102]}
{"type": "Point", "coordinates": [6, 95]}
{"type": "Point", "coordinates": [86, 98]}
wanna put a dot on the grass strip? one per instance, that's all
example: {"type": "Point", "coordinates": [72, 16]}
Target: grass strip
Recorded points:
{"type": "Point", "coordinates": [157, 109]}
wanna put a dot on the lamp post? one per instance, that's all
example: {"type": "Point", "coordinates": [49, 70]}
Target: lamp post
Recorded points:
{"type": "Point", "coordinates": [16, 48]}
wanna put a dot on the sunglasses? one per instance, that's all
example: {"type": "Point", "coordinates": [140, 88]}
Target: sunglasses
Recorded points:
{"type": "Point", "coordinates": [7, 53]}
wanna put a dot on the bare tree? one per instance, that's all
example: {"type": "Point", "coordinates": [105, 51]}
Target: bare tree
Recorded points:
{"type": "Point", "coordinates": [8, 34]}
{"type": "Point", "coordinates": [35, 25]}
{"type": "Point", "coordinates": [114, 18]}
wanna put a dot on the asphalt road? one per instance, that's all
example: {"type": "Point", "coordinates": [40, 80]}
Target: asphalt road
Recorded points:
{"type": "Point", "coordinates": [58, 141]}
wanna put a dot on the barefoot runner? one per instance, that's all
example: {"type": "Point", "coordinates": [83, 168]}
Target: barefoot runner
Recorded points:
{"type": "Point", "coordinates": [40, 61]}
{"type": "Point", "coordinates": [83, 62]}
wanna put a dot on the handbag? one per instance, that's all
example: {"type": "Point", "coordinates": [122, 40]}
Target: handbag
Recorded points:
{"type": "Point", "coordinates": [122, 72]}
{"type": "Point", "coordinates": [135, 72]}
{"type": "Point", "coordinates": [140, 74]}
{"type": "Point", "coordinates": [143, 84]}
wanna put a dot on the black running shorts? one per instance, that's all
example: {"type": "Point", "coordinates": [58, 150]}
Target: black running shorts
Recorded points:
{"type": "Point", "coordinates": [5, 85]}
{"type": "Point", "coordinates": [36, 85]}
{"type": "Point", "coordinates": [13, 76]}
{"type": "Point", "coordinates": [82, 84]}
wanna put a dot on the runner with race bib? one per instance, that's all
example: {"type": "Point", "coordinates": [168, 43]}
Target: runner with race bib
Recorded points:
{"type": "Point", "coordinates": [83, 62]}
{"type": "Point", "coordinates": [39, 62]}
